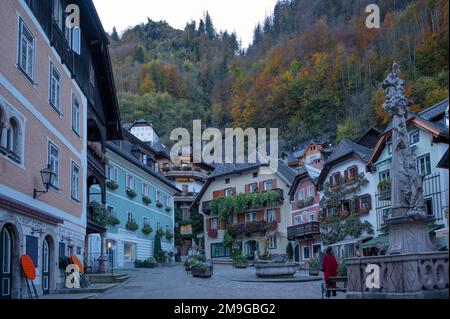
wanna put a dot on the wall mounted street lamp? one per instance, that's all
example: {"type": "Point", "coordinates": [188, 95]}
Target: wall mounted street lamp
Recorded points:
{"type": "Point", "coordinates": [48, 177]}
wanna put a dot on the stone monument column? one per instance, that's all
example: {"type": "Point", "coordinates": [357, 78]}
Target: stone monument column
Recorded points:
{"type": "Point", "coordinates": [408, 220]}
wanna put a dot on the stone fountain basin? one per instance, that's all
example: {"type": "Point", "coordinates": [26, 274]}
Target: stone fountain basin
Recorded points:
{"type": "Point", "coordinates": [275, 270]}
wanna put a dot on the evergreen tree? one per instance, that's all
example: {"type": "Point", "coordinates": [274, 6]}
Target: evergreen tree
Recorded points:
{"type": "Point", "coordinates": [209, 27]}
{"type": "Point", "coordinates": [115, 35]}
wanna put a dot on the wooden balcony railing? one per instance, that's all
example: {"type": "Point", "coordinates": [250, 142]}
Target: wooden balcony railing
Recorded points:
{"type": "Point", "coordinates": [302, 231]}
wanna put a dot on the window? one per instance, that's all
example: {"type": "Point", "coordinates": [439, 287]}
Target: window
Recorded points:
{"type": "Point", "coordinates": [252, 188]}
{"type": "Point", "coordinates": [227, 181]}
{"type": "Point", "coordinates": [330, 211]}
{"type": "Point", "coordinates": [145, 189]}
{"type": "Point", "coordinates": [111, 172]}
{"type": "Point", "coordinates": [305, 252]}
{"type": "Point", "coordinates": [229, 192]}
{"type": "Point", "coordinates": [167, 228]}
{"type": "Point", "coordinates": [272, 242]}
{"type": "Point", "coordinates": [268, 185]}
{"type": "Point", "coordinates": [346, 206]}
{"type": "Point", "coordinates": [429, 206]}
{"type": "Point", "coordinates": [352, 171]}
{"type": "Point", "coordinates": [384, 175]}
{"type": "Point", "coordinates": [311, 217]}
{"type": "Point", "coordinates": [424, 164]}
{"type": "Point", "coordinates": [250, 217]}
{"type": "Point", "coordinates": [54, 94]}
{"type": "Point", "coordinates": [62, 250]}
{"type": "Point", "coordinates": [75, 115]}
{"type": "Point", "coordinates": [158, 225]}
{"type": "Point", "coordinates": [58, 13]}
{"type": "Point", "coordinates": [414, 137]}
{"type": "Point", "coordinates": [130, 182]}
{"type": "Point", "coordinates": [389, 144]}
{"type": "Point", "coordinates": [386, 213]}
{"type": "Point", "coordinates": [26, 51]}
{"type": "Point", "coordinates": [130, 216]}
{"type": "Point", "coordinates": [213, 223]}
{"type": "Point", "coordinates": [255, 174]}
{"type": "Point", "coordinates": [75, 184]}
{"type": "Point", "coordinates": [271, 215]}
{"type": "Point", "coordinates": [301, 194]}
{"type": "Point", "coordinates": [145, 221]}
{"type": "Point", "coordinates": [13, 142]}
{"type": "Point", "coordinates": [53, 161]}
{"type": "Point", "coordinates": [32, 248]}
{"type": "Point", "coordinates": [316, 250]}
{"type": "Point", "coordinates": [185, 188]}
{"type": "Point", "coordinates": [73, 36]}
{"type": "Point", "coordinates": [144, 159]}
{"type": "Point", "coordinates": [298, 220]}
{"type": "Point", "coordinates": [335, 179]}
{"type": "Point", "coordinates": [310, 191]}
{"type": "Point", "coordinates": [158, 196]}
{"type": "Point", "coordinates": [364, 203]}
{"type": "Point", "coordinates": [110, 210]}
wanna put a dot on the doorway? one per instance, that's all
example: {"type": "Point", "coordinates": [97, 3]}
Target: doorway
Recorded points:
{"type": "Point", "coordinates": [45, 267]}
{"type": "Point", "coordinates": [6, 249]}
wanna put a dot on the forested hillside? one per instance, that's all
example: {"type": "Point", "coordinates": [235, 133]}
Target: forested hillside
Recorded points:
{"type": "Point", "coordinates": [314, 70]}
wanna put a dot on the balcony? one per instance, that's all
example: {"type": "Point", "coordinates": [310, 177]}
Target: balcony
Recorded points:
{"type": "Point", "coordinates": [96, 157]}
{"type": "Point", "coordinates": [303, 231]}
{"type": "Point", "coordinates": [250, 228]}
{"type": "Point", "coordinates": [174, 171]}
{"type": "Point", "coordinates": [254, 204]}
{"type": "Point", "coordinates": [96, 218]}
{"type": "Point", "coordinates": [185, 197]}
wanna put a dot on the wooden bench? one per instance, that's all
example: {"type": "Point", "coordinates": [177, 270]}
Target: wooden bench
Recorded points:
{"type": "Point", "coordinates": [340, 284]}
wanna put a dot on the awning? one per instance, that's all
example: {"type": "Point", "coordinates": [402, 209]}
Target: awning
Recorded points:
{"type": "Point", "coordinates": [350, 241]}
{"type": "Point", "coordinates": [384, 239]}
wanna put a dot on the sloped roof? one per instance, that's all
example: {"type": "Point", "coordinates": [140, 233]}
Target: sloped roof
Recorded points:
{"type": "Point", "coordinates": [346, 147]}
{"type": "Point", "coordinates": [302, 172]}
{"type": "Point", "coordinates": [435, 110]}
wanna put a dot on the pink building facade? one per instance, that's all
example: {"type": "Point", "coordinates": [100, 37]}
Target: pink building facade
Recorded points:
{"type": "Point", "coordinates": [44, 111]}
{"type": "Point", "coordinates": [305, 206]}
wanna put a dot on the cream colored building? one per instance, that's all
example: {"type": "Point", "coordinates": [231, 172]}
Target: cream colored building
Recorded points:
{"type": "Point", "coordinates": [259, 228]}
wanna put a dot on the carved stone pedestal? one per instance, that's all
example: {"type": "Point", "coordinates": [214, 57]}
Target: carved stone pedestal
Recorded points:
{"type": "Point", "coordinates": [404, 276]}
{"type": "Point", "coordinates": [409, 235]}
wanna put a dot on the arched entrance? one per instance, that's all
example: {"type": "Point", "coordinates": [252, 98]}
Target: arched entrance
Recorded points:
{"type": "Point", "coordinates": [250, 247]}
{"type": "Point", "coordinates": [6, 256]}
{"type": "Point", "coordinates": [46, 266]}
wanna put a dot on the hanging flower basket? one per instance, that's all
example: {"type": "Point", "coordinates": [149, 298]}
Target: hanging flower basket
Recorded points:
{"type": "Point", "coordinates": [146, 200]}
{"type": "Point", "coordinates": [112, 184]}
{"type": "Point", "coordinates": [131, 193]}
{"type": "Point", "coordinates": [147, 230]}
{"type": "Point", "coordinates": [132, 225]}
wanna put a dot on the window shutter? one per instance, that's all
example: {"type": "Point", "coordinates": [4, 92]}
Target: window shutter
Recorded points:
{"type": "Point", "coordinates": [338, 178]}
{"type": "Point", "coordinates": [356, 170]}
{"type": "Point", "coordinates": [260, 215]}
{"type": "Point", "coordinates": [240, 218]}
{"type": "Point", "coordinates": [346, 175]}
{"type": "Point", "coordinates": [217, 194]}
{"type": "Point", "coordinates": [261, 186]}
{"type": "Point", "coordinates": [278, 214]}
{"type": "Point", "coordinates": [330, 180]}
{"type": "Point", "coordinates": [219, 224]}
{"type": "Point", "coordinates": [274, 183]}
{"type": "Point", "coordinates": [357, 204]}
{"type": "Point", "coordinates": [208, 224]}
{"type": "Point", "coordinates": [369, 200]}
{"type": "Point", "coordinates": [234, 190]}
{"type": "Point", "coordinates": [247, 188]}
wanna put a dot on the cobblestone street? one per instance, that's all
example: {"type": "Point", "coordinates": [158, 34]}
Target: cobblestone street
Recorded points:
{"type": "Point", "coordinates": [174, 283]}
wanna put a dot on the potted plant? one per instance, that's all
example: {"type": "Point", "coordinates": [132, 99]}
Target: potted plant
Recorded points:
{"type": "Point", "coordinates": [113, 221]}
{"type": "Point", "coordinates": [148, 263]}
{"type": "Point", "coordinates": [112, 184]}
{"type": "Point", "coordinates": [342, 269]}
{"type": "Point", "coordinates": [239, 260]}
{"type": "Point", "coordinates": [160, 233]}
{"type": "Point", "coordinates": [202, 269]}
{"type": "Point", "coordinates": [168, 235]}
{"type": "Point", "coordinates": [159, 204]}
{"type": "Point", "coordinates": [146, 200]}
{"type": "Point", "coordinates": [187, 265]}
{"type": "Point", "coordinates": [313, 265]}
{"type": "Point", "coordinates": [147, 229]}
{"type": "Point", "coordinates": [131, 193]}
{"type": "Point", "coordinates": [132, 225]}
{"type": "Point", "coordinates": [168, 209]}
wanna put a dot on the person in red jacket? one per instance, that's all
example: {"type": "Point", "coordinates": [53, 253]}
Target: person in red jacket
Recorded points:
{"type": "Point", "coordinates": [329, 267]}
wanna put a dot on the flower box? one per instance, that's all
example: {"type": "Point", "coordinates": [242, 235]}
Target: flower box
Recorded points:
{"type": "Point", "coordinates": [202, 270]}
{"type": "Point", "coordinates": [132, 225]}
{"type": "Point", "coordinates": [212, 233]}
{"type": "Point", "coordinates": [159, 204]}
{"type": "Point", "coordinates": [112, 184]}
{"type": "Point", "coordinates": [147, 229]}
{"type": "Point", "coordinates": [131, 193]}
{"type": "Point", "coordinates": [146, 200]}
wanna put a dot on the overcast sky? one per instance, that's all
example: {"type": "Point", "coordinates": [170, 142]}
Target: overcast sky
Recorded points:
{"type": "Point", "coordinates": [231, 15]}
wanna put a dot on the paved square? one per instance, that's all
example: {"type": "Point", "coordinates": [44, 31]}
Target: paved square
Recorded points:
{"type": "Point", "coordinates": [172, 282]}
